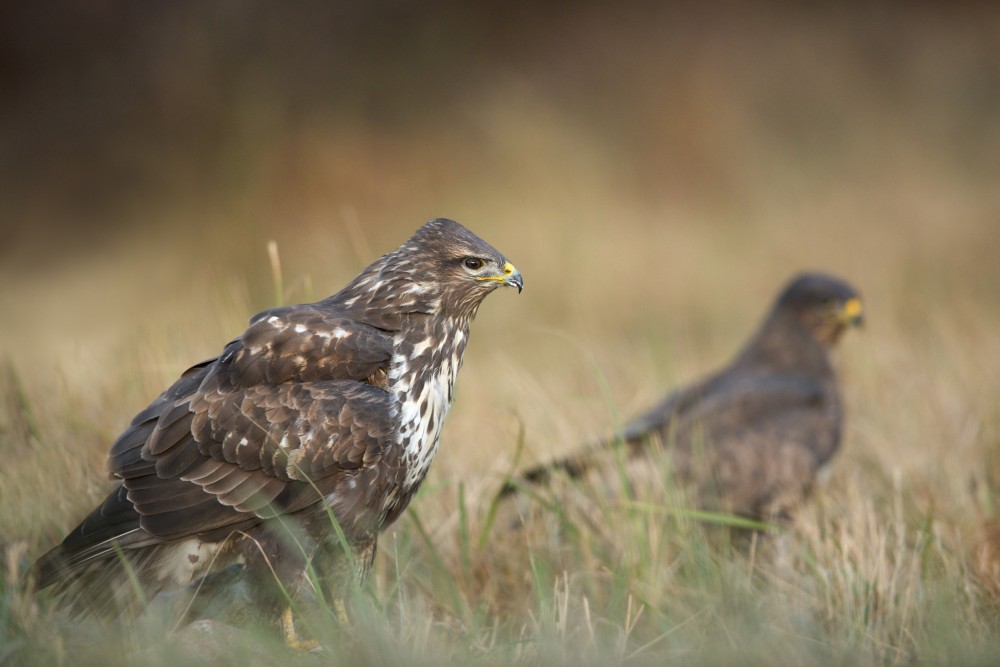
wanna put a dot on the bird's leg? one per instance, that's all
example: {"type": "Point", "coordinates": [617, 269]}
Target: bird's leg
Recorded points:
{"type": "Point", "coordinates": [291, 637]}
{"type": "Point", "coordinates": [340, 609]}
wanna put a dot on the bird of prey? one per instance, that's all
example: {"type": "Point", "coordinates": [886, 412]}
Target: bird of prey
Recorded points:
{"type": "Point", "coordinates": [752, 436]}
{"type": "Point", "coordinates": [319, 415]}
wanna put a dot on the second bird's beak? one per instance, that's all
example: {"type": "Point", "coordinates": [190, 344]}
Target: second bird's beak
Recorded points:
{"type": "Point", "coordinates": [851, 313]}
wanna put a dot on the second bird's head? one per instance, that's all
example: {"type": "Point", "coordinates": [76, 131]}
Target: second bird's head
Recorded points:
{"type": "Point", "coordinates": [823, 304]}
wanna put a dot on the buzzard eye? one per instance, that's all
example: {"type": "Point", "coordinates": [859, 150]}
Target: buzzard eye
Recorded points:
{"type": "Point", "coordinates": [473, 263]}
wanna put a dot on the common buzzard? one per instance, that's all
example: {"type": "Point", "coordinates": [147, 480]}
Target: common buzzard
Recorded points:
{"type": "Point", "coordinates": [752, 436]}
{"type": "Point", "coordinates": [318, 415]}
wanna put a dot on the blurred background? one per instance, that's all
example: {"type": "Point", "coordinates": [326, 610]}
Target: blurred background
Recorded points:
{"type": "Point", "coordinates": [656, 171]}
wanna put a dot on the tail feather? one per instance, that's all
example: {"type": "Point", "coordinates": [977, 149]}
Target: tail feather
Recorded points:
{"type": "Point", "coordinates": [576, 465]}
{"type": "Point", "coordinates": [90, 569]}
{"type": "Point", "coordinates": [114, 520]}
{"type": "Point", "coordinates": [110, 583]}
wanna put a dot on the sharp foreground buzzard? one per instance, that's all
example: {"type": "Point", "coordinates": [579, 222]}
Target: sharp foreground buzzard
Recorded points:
{"type": "Point", "coordinates": [333, 407]}
{"type": "Point", "coordinates": [752, 436]}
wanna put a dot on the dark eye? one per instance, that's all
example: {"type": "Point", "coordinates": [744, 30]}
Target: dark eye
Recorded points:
{"type": "Point", "coordinates": [473, 263]}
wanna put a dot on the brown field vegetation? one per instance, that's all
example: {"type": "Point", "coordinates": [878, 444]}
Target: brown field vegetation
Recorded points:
{"type": "Point", "coordinates": [656, 176]}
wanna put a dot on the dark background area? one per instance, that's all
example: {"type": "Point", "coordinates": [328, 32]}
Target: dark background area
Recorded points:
{"type": "Point", "coordinates": [110, 110]}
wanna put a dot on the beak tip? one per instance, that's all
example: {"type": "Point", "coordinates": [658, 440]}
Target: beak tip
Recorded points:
{"type": "Point", "coordinates": [514, 279]}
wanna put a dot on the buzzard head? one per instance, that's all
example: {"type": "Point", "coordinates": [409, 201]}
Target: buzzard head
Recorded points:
{"type": "Point", "coordinates": [446, 259]}
{"type": "Point", "coordinates": [443, 269]}
{"type": "Point", "coordinates": [824, 305]}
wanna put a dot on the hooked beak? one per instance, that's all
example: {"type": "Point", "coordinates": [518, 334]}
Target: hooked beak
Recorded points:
{"type": "Point", "coordinates": [510, 277]}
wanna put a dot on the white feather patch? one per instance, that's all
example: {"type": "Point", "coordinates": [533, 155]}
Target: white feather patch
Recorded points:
{"type": "Point", "coordinates": [186, 560]}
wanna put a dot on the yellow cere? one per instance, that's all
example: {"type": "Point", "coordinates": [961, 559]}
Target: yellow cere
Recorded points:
{"type": "Point", "coordinates": [508, 269]}
{"type": "Point", "coordinates": [852, 308]}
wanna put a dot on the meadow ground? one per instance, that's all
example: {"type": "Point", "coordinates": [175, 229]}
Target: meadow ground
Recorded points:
{"type": "Point", "coordinates": [653, 234]}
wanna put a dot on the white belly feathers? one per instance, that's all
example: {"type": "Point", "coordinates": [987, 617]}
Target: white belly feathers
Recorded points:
{"type": "Point", "coordinates": [421, 376]}
{"type": "Point", "coordinates": [422, 415]}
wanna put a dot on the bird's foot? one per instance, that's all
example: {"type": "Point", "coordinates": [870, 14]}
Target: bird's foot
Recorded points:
{"type": "Point", "coordinates": [291, 637]}
{"type": "Point", "coordinates": [341, 611]}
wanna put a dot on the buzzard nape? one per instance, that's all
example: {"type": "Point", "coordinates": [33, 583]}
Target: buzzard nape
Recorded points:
{"type": "Point", "coordinates": [328, 408]}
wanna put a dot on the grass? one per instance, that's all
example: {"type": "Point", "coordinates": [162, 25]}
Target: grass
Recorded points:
{"type": "Point", "coordinates": [655, 202]}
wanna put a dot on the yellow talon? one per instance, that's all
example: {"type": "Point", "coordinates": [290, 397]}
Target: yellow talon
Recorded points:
{"type": "Point", "coordinates": [291, 637]}
{"type": "Point", "coordinates": [341, 611]}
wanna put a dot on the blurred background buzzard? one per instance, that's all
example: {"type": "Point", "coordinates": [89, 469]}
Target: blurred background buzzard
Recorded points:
{"type": "Point", "coordinates": [752, 436]}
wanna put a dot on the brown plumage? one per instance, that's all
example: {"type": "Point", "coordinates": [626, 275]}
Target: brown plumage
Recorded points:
{"type": "Point", "coordinates": [752, 436]}
{"type": "Point", "coordinates": [329, 408]}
